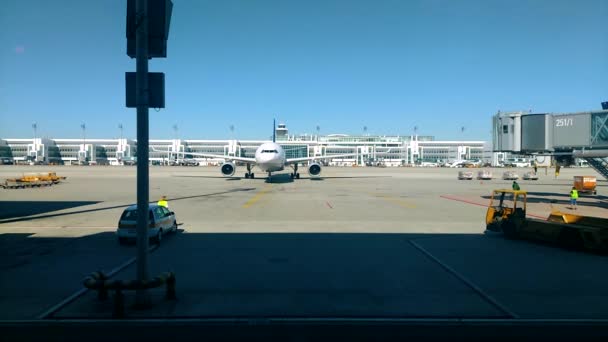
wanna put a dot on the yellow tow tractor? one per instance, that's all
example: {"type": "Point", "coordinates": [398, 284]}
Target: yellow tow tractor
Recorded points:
{"type": "Point", "coordinates": [507, 214]}
{"type": "Point", "coordinates": [507, 211]}
{"type": "Point", "coordinates": [32, 180]}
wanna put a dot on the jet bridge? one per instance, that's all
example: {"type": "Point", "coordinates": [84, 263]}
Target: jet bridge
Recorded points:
{"type": "Point", "coordinates": [579, 135]}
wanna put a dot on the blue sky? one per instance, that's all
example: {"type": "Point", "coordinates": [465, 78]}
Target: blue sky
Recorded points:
{"type": "Point", "coordinates": [342, 65]}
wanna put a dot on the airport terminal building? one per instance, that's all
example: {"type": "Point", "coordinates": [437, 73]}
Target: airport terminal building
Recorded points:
{"type": "Point", "coordinates": [368, 149]}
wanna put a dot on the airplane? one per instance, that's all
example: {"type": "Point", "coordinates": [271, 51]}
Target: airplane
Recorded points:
{"type": "Point", "coordinates": [269, 157]}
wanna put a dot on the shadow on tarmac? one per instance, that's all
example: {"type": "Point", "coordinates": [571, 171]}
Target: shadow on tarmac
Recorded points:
{"type": "Point", "coordinates": [279, 178]}
{"type": "Point", "coordinates": [17, 211]}
{"type": "Point", "coordinates": [564, 199]}
{"type": "Point", "coordinates": [11, 209]}
{"type": "Point", "coordinates": [561, 194]}
{"type": "Point", "coordinates": [267, 282]}
{"type": "Point", "coordinates": [265, 178]}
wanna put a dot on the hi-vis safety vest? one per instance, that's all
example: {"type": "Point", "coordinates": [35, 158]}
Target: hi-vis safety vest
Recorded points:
{"type": "Point", "coordinates": [163, 203]}
{"type": "Point", "coordinates": [574, 194]}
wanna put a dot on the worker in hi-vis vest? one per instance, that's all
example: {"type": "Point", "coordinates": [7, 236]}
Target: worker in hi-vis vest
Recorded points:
{"type": "Point", "coordinates": [163, 202]}
{"type": "Point", "coordinates": [573, 198]}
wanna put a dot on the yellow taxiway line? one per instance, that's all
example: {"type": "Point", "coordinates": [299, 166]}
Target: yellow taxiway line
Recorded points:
{"type": "Point", "coordinates": [257, 196]}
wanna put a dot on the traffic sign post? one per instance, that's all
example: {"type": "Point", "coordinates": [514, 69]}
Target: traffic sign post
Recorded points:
{"type": "Point", "coordinates": [143, 17]}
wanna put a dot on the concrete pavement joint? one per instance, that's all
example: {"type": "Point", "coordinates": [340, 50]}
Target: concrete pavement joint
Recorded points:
{"type": "Point", "coordinates": [470, 284]}
{"type": "Point", "coordinates": [46, 314]}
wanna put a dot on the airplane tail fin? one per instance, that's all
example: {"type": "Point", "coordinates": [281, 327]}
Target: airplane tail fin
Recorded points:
{"type": "Point", "coordinates": [274, 129]}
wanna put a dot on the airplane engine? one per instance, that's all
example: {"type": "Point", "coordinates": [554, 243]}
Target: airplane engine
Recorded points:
{"type": "Point", "coordinates": [314, 169]}
{"type": "Point", "coordinates": [228, 169]}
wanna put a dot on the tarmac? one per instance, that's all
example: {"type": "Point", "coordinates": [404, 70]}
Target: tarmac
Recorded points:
{"type": "Point", "coordinates": [390, 243]}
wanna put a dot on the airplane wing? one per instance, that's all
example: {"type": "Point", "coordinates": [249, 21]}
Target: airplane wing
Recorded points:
{"type": "Point", "coordinates": [303, 159]}
{"type": "Point", "coordinates": [211, 155]}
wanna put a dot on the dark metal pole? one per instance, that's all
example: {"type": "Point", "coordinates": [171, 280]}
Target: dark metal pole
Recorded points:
{"type": "Point", "coordinates": [141, 83]}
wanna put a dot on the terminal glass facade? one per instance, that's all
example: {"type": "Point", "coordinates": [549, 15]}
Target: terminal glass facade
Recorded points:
{"type": "Point", "coordinates": [363, 150]}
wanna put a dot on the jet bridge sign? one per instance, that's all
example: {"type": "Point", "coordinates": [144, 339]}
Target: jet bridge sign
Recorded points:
{"type": "Point", "coordinates": [571, 130]}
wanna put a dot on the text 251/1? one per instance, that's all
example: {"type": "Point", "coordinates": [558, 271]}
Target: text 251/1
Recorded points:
{"type": "Point", "coordinates": [564, 122]}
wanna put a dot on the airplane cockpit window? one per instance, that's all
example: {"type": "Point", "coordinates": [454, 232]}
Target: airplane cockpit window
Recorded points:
{"type": "Point", "coordinates": [270, 151]}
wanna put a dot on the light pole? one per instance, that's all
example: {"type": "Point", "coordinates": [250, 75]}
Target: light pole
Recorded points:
{"type": "Point", "coordinates": [119, 148]}
{"type": "Point", "coordinates": [318, 131]}
{"type": "Point", "coordinates": [175, 143]}
{"type": "Point", "coordinates": [84, 139]}
{"type": "Point", "coordinates": [462, 137]}
{"type": "Point", "coordinates": [35, 127]}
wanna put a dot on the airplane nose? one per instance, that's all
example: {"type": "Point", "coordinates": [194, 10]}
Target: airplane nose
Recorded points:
{"type": "Point", "coordinates": [265, 158]}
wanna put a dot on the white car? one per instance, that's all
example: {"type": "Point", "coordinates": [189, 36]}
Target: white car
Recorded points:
{"type": "Point", "coordinates": [161, 221]}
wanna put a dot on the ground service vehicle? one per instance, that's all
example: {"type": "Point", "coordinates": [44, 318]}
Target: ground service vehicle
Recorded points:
{"type": "Point", "coordinates": [484, 175]}
{"type": "Point", "coordinates": [586, 184]}
{"type": "Point", "coordinates": [189, 162]}
{"type": "Point", "coordinates": [465, 175]}
{"type": "Point", "coordinates": [530, 176]}
{"type": "Point", "coordinates": [32, 180]}
{"type": "Point", "coordinates": [161, 221]}
{"type": "Point", "coordinates": [507, 214]}
{"type": "Point", "coordinates": [507, 211]}
{"type": "Point", "coordinates": [510, 175]}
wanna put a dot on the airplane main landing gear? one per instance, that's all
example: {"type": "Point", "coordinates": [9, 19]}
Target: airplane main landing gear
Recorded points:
{"type": "Point", "coordinates": [249, 174]}
{"type": "Point", "coordinates": [295, 173]}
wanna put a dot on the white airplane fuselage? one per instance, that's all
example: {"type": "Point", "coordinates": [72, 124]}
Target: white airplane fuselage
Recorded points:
{"type": "Point", "coordinates": [270, 157]}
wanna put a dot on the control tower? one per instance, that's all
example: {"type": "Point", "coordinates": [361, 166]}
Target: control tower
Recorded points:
{"type": "Point", "coordinates": [281, 132]}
